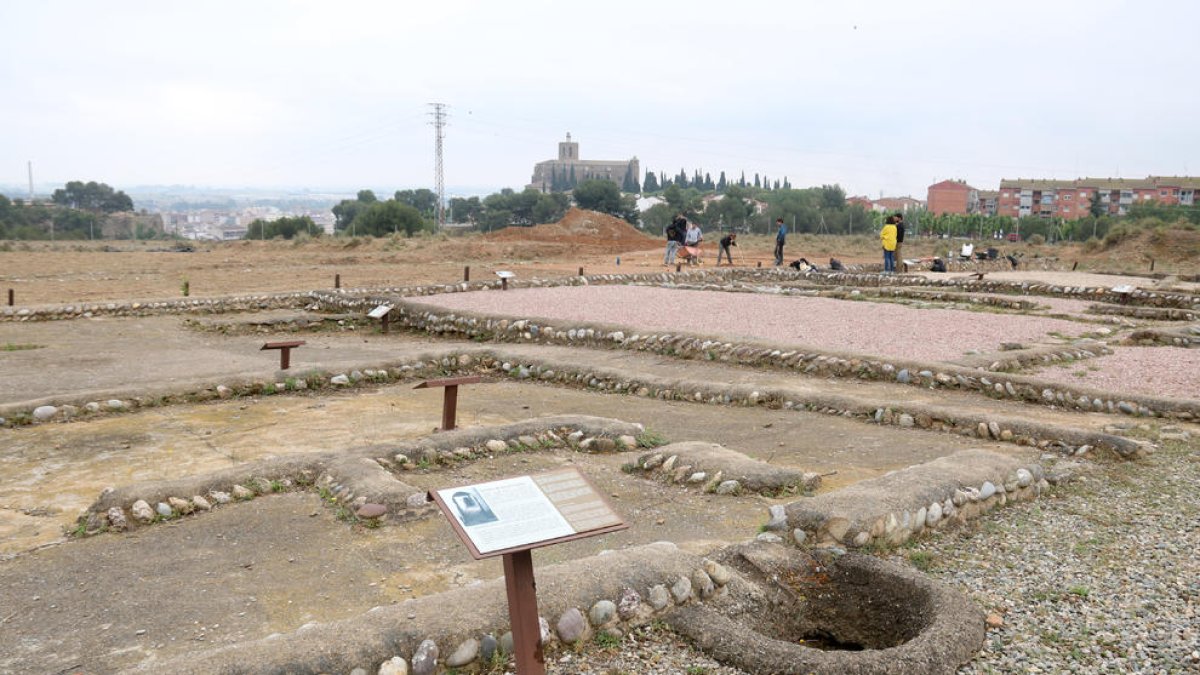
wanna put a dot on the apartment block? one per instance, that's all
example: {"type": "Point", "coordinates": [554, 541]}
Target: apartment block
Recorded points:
{"type": "Point", "coordinates": [952, 196]}
{"type": "Point", "coordinates": [1071, 199]}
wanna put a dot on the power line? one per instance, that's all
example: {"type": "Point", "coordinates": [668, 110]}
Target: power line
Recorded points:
{"type": "Point", "coordinates": [439, 125]}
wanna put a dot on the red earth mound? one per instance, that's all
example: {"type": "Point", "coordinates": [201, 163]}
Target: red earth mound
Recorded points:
{"type": "Point", "coordinates": [586, 229]}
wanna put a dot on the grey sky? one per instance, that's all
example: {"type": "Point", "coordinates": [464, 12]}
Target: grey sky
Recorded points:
{"type": "Point", "coordinates": [873, 95]}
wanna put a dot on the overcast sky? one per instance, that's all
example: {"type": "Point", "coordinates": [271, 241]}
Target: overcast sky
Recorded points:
{"type": "Point", "coordinates": [875, 95]}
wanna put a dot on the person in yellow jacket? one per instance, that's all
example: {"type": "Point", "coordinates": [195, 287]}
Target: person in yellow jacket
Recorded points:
{"type": "Point", "coordinates": [887, 237]}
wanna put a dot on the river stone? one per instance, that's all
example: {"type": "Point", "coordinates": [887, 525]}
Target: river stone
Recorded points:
{"type": "Point", "coordinates": [416, 500]}
{"type": "Point", "coordinates": [933, 515]}
{"type": "Point", "coordinates": [994, 429]}
{"type": "Point", "coordinates": [659, 598]}
{"type": "Point", "coordinates": [681, 590]}
{"type": "Point", "coordinates": [626, 441]}
{"type": "Point", "coordinates": [1024, 477]}
{"type": "Point", "coordinates": [571, 626]}
{"type": "Point", "coordinates": [703, 584]}
{"type": "Point", "coordinates": [487, 648]}
{"type": "Point", "coordinates": [987, 490]}
{"type": "Point", "coordinates": [222, 391]}
{"type": "Point", "coordinates": [628, 605]}
{"type": "Point", "coordinates": [116, 519]}
{"type": "Point", "coordinates": [163, 510]}
{"type": "Point", "coordinates": [799, 535]}
{"type": "Point", "coordinates": [465, 653]}
{"type": "Point", "coordinates": [220, 497]}
{"type": "Point", "coordinates": [728, 487]}
{"type": "Point", "coordinates": [717, 572]}
{"type": "Point", "coordinates": [769, 538]}
{"type": "Point", "coordinates": [181, 505]}
{"type": "Point", "coordinates": [906, 420]}
{"type": "Point", "coordinates": [92, 406]}
{"type": "Point", "coordinates": [44, 412]}
{"type": "Point", "coordinates": [903, 377]}
{"type": "Point", "coordinates": [343, 381]}
{"type": "Point", "coordinates": [394, 666]}
{"type": "Point", "coordinates": [141, 511]}
{"type": "Point", "coordinates": [424, 660]}
{"type": "Point", "coordinates": [371, 511]}
{"type": "Point", "coordinates": [496, 445]}
{"type": "Point", "coordinates": [201, 503]}
{"type": "Point", "coordinates": [602, 612]}
{"type": "Point", "coordinates": [776, 517]}
{"type": "Point", "coordinates": [115, 404]}
{"type": "Point", "coordinates": [242, 492]}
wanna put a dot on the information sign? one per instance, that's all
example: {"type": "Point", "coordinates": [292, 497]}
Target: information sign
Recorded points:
{"type": "Point", "coordinates": [527, 512]}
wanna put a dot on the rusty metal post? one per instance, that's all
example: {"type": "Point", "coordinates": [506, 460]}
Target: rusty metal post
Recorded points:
{"type": "Point", "coordinates": [1075, 266]}
{"type": "Point", "coordinates": [337, 281]}
{"type": "Point", "coordinates": [523, 614]}
{"type": "Point", "coordinates": [449, 407]}
{"type": "Point", "coordinates": [467, 273]}
{"type": "Point", "coordinates": [678, 267]}
{"type": "Point", "coordinates": [760, 264]}
{"type": "Point", "coordinates": [1152, 264]}
{"type": "Point", "coordinates": [580, 271]}
{"type": "Point", "coordinates": [504, 283]}
{"type": "Point", "coordinates": [384, 321]}
{"type": "Point", "coordinates": [10, 297]}
{"type": "Point", "coordinates": [285, 358]}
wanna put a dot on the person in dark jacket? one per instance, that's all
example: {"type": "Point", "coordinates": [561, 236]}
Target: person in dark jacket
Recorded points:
{"type": "Point", "coordinates": [726, 242]}
{"type": "Point", "coordinates": [780, 236]}
{"type": "Point", "coordinates": [899, 242]}
{"type": "Point", "coordinates": [675, 232]}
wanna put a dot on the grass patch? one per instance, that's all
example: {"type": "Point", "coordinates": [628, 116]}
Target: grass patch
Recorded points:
{"type": "Point", "coordinates": [606, 640]}
{"type": "Point", "coordinates": [19, 347]}
{"type": "Point", "coordinates": [922, 560]}
{"type": "Point", "coordinates": [650, 439]}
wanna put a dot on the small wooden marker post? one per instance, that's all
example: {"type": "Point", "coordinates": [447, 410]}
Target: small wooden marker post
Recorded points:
{"type": "Point", "coordinates": [513, 516]}
{"type": "Point", "coordinates": [678, 267]}
{"type": "Point", "coordinates": [10, 297]}
{"type": "Point", "coordinates": [337, 281]}
{"type": "Point", "coordinates": [285, 351]}
{"type": "Point", "coordinates": [466, 273]}
{"type": "Point", "coordinates": [383, 313]}
{"type": "Point", "coordinates": [580, 271]}
{"type": "Point", "coordinates": [449, 396]}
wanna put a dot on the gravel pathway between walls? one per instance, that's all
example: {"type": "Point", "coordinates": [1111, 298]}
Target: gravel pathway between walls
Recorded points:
{"type": "Point", "coordinates": [1153, 371]}
{"type": "Point", "coordinates": [1101, 576]}
{"type": "Point", "coordinates": [838, 325]}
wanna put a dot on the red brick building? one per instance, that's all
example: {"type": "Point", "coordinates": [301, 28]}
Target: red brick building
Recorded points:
{"type": "Point", "coordinates": [952, 196]}
{"type": "Point", "coordinates": [1071, 199]}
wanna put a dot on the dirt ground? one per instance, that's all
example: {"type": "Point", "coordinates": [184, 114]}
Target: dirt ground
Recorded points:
{"type": "Point", "coordinates": [108, 602]}
{"type": "Point", "coordinates": [70, 272]}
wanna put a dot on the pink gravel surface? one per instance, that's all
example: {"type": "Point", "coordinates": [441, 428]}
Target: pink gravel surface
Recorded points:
{"type": "Point", "coordinates": [1154, 371]}
{"type": "Point", "coordinates": [823, 323]}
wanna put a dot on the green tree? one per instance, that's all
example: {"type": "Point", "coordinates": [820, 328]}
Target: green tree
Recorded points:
{"type": "Point", "coordinates": [656, 218]}
{"type": "Point", "coordinates": [1095, 206]}
{"type": "Point", "coordinates": [650, 184]}
{"type": "Point", "coordinates": [92, 196]}
{"type": "Point", "coordinates": [286, 228]}
{"type": "Point", "coordinates": [389, 217]}
{"type": "Point", "coordinates": [465, 210]}
{"type": "Point", "coordinates": [367, 196]}
{"type": "Point", "coordinates": [603, 196]}
{"type": "Point", "coordinates": [422, 199]}
{"type": "Point", "coordinates": [721, 183]}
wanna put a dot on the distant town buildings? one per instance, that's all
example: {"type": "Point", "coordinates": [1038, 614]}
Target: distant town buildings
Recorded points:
{"type": "Point", "coordinates": [564, 173]}
{"type": "Point", "coordinates": [886, 204]}
{"type": "Point", "coordinates": [234, 223]}
{"type": "Point", "coordinates": [1067, 199]}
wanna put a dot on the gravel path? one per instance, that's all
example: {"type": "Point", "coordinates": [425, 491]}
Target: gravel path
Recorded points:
{"type": "Point", "coordinates": [1154, 371]}
{"type": "Point", "coordinates": [1101, 576]}
{"type": "Point", "coordinates": [1068, 278]}
{"type": "Point", "coordinates": [649, 650]}
{"type": "Point", "coordinates": [863, 327]}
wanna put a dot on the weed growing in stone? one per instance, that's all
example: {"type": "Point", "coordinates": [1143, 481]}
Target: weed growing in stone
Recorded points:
{"type": "Point", "coordinates": [15, 347]}
{"type": "Point", "coordinates": [277, 486]}
{"type": "Point", "coordinates": [922, 560]}
{"type": "Point", "coordinates": [606, 640]}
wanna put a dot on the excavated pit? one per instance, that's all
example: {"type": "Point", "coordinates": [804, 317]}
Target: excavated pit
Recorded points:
{"type": "Point", "coordinates": [829, 613]}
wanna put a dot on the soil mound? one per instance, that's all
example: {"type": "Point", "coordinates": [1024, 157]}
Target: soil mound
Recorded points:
{"type": "Point", "coordinates": [1175, 244]}
{"type": "Point", "coordinates": [597, 232]}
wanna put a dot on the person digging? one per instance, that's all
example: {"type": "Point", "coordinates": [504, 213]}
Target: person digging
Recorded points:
{"type": "Point", "coordinates": [725, 248]}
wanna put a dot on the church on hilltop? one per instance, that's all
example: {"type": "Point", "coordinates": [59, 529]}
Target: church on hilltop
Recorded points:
{"type": "Point", "coordinates": [564, 173]}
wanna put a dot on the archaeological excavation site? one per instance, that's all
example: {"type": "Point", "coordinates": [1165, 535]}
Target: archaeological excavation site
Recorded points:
{"type": "Point", "coordinates": [987, 470]}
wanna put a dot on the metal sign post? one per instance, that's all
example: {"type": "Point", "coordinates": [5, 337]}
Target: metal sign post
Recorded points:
{"type": "Point", "coordinates": [513, 516]}
{"type": "Point", "coordinates": [285, 351]}
{"type": "Point", "coordinates": [449, 396]}
{"type": "Point", "coordinates": [383, 313]}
